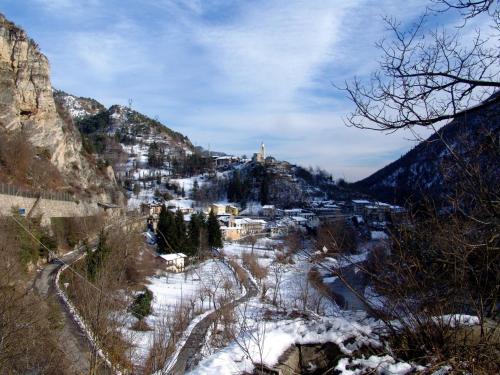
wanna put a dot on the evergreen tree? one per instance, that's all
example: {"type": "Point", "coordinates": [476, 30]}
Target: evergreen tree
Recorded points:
{"type": "Point", "coordinates": [96, 258]}
{"type": "Point", "coordinates": [165, 231]}
{"type": "Point", "coordinates": [264, 189]}
{"type": "Point", "coordinates": [195, 190]}
{"type": "Point", "coordinates": [214, 233]}
{"type": "Point", "coordinates": [195, 230]}
{"type": "Point", "coordinates": [180, 241]}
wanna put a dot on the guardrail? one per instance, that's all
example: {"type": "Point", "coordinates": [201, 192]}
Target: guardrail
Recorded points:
{"type": "Point", "coordinates": [52, 195]}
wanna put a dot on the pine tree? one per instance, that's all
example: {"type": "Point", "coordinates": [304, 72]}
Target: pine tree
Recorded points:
{"type": "Point", "coordinates": [180, 241]}
{"type": "Point", "coordinates": [264, 189]}
{"type": "Point", "coordinates": [96, 258]}
{"type": "Point", "coordinates": [214, 233]}
{"type": "Point", "coordinates": [195, 230]}
{"type": "Point", "coordinates": [165, 231]}
{"type": "Point", "coordinates": [195, 190]}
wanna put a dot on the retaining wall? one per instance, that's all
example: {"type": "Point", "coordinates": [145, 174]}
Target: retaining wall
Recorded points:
{"type": "Point", "coordinates": [46, 207]}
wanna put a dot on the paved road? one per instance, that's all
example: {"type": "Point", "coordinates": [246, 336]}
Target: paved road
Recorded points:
{"type": "Point", "coordinates": [72, 341]}
{"type": "Point", "coordinates": [190, 354]}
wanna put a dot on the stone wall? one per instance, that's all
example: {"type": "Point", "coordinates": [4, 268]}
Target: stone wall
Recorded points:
{"type": "Point", "coordinates": [46, 207]}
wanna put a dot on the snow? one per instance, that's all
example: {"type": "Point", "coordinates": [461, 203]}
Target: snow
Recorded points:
{"type": "Point", "coordinates": [252, 209]}
{"type": "Point", "coordinates": [378, 364]}
{"type": "Point", "coordinates": [457, 320]}
{"type": "Point", "coordinates": [173, 289]}
{"type": "Point", "coordinates": [169, 257]}
{"type": "Point", "coordinates": [265, 341]}
{"type": "Point", "coordinates": [378, 235]}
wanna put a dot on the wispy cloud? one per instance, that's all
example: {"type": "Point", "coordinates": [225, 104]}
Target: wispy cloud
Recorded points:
{"type": "Point", "coordinates": [228, 73]}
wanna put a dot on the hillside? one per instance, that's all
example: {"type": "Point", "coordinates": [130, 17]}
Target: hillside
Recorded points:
{"type": "Point", "coordinates": [426, 170]}
{"type": "Point", "coordinates": [40, 147]}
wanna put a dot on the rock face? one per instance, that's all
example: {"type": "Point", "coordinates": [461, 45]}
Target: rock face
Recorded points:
{"type": "Point", "coordinates": [27, 104]}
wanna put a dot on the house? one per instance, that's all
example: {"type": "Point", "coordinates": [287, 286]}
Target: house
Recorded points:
{"type": "Point", "coordinates": [358, 206]}
{"type": "Point", "coordinates": [232, 210]}
{"type": "Point", "coordinates": [269, 210]}
{"type": "Point", "coordinates": [174, 262]}
{"type": "Point", "coordinates": [299, 222]}
{"type": "Point", "coordinates": [232, 233]}
{"type": "Point", "coordinates": [151, 209]}
{"type": "Point", "coordinates": [218, 209]}
{"type": "Point", "coordinates": [292, 212]}
{"type": "Point", "coordinates": [278, 230]}
{"type": "Point", "coordinates": [250, 226]}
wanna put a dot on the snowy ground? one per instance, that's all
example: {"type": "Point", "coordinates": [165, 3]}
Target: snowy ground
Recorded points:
{"type": "Point", "coordinates": [264, 341]}
{"type": "Point", "coordinates": [212, 278]}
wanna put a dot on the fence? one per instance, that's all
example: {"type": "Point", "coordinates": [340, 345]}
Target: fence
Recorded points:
{"type": "Point", "coordinates": [52, 195]}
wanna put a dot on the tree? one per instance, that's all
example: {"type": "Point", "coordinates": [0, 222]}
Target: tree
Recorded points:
{"type": "Point", "coordinates": [180, 242]}
{"type": "Point", "coordinates": [427, 77]}
{"type": "Point", "coordinates": [96, 258]}
{"type": "Point", "coordinates": [441, 261]}
{"type": "Point", "coordinates": [214, 233]}
{"type": "Point", "coordinates": [195, 232]}
{"type": "Point", "coordinates": [142, 304]}
{"type": "Point", "coordinates": [165, 231]}
{"type": "Point", "coordinates": [137, 189]}
{"type": "Point", "coordinates": [195, 191]}
{"type": "Point", "coordinates": [264, 188]}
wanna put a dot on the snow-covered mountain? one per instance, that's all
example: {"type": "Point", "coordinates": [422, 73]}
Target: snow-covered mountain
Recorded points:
{"type": "Point", "coordinates": [431, 170]}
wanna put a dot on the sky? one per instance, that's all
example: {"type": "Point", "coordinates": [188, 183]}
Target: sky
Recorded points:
{"type": "Point", "coordinates": [229, 74]}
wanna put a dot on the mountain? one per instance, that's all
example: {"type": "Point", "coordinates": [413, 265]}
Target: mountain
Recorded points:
{"type": "Point", "coordinates": [431, 170]}
{"type": "Point", "coordinates": [40, 146]}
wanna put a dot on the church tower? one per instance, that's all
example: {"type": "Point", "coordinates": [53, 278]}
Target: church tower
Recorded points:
{"type": "Point", "coordinates": [262, 151]}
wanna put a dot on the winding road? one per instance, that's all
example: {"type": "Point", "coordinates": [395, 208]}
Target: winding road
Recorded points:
{"type": "Point", "coordinates": [72, 341]}
{"type": "Point", "coordinates": [190, 354]}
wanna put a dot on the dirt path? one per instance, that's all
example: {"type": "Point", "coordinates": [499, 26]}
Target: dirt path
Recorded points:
{"type": "Point", "coordinates": [190, 354]}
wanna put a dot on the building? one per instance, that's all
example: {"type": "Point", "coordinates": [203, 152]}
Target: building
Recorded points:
{"type": "Point", "coordinates": [278, 230]}
{"type": "Point", "coordinates": [174, 262]}
{"type": "Point", "coordinates": [223, 161]}
{"type": "Point", "coordinates": [231, 233]}
{"type": "Point", "coordinates": [151, 209]}
{"type": "Point", "coordinates": [232, 210]}
{"type": "Point", "coordinates": [218, 209]}
{"type": "Point", "coordinates": [358, 206]}
{"type": "Point", "coordinates": [269, 210]}
{"type": "Point", "coordinates": [250, 226]}
{"type": "Point", "coordinates": [260, 157]}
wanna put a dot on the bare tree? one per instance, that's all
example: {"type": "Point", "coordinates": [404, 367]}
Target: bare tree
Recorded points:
{"type": "Point", "coordinates": [426, 77]}
{"type": "Point", "coordinates": [441, 261]}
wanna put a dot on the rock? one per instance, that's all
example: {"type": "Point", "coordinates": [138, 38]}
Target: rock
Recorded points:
{"type": "Point", "coordinates": [27, 104]}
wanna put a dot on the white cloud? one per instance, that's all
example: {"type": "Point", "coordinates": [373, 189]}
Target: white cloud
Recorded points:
{"type": "Point", "coordinates": [232, 73]}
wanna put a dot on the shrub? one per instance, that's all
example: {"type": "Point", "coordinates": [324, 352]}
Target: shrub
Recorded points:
{"type": "Point", "coordinates": [142, 304]}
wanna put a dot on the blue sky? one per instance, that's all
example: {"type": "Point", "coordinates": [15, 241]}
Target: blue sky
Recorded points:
{"type": "Point", "coordinates": [228, 74]}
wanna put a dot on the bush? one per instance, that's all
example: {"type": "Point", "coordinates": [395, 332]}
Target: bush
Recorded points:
{"type": "Point", "coordinates": [142, 304]}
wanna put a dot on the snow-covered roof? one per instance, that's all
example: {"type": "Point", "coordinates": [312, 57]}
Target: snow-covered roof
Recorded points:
{"type": "Point", "coordinates": [170, 257]}
{"type": "Point", "coordinates": [268, 206]}
{"type": "Point", "coordinates": [360, 201]}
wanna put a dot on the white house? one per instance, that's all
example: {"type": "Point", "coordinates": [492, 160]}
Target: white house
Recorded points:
{"type": "Point", "coordinates": [174, 262]}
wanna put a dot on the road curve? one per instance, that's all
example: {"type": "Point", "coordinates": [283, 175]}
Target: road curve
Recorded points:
{"type": "Point", "coordinates": [72, 341]}
{"type": "Point", "coordinates": [190, 354]}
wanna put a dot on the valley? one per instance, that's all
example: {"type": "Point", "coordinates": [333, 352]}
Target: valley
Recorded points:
{"type": "Point", "coordinates": [127, 249]}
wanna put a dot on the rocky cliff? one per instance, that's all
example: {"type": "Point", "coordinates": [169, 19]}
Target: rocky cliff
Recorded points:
{"type": "Point", "coordinates": [27, 106]}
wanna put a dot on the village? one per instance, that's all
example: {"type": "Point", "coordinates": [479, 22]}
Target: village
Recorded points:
{"type": "Point", "coordinates": [246, 224]}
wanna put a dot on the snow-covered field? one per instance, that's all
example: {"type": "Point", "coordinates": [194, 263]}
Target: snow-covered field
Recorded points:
{"type": "Point", "coordinates": [200, 286]}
